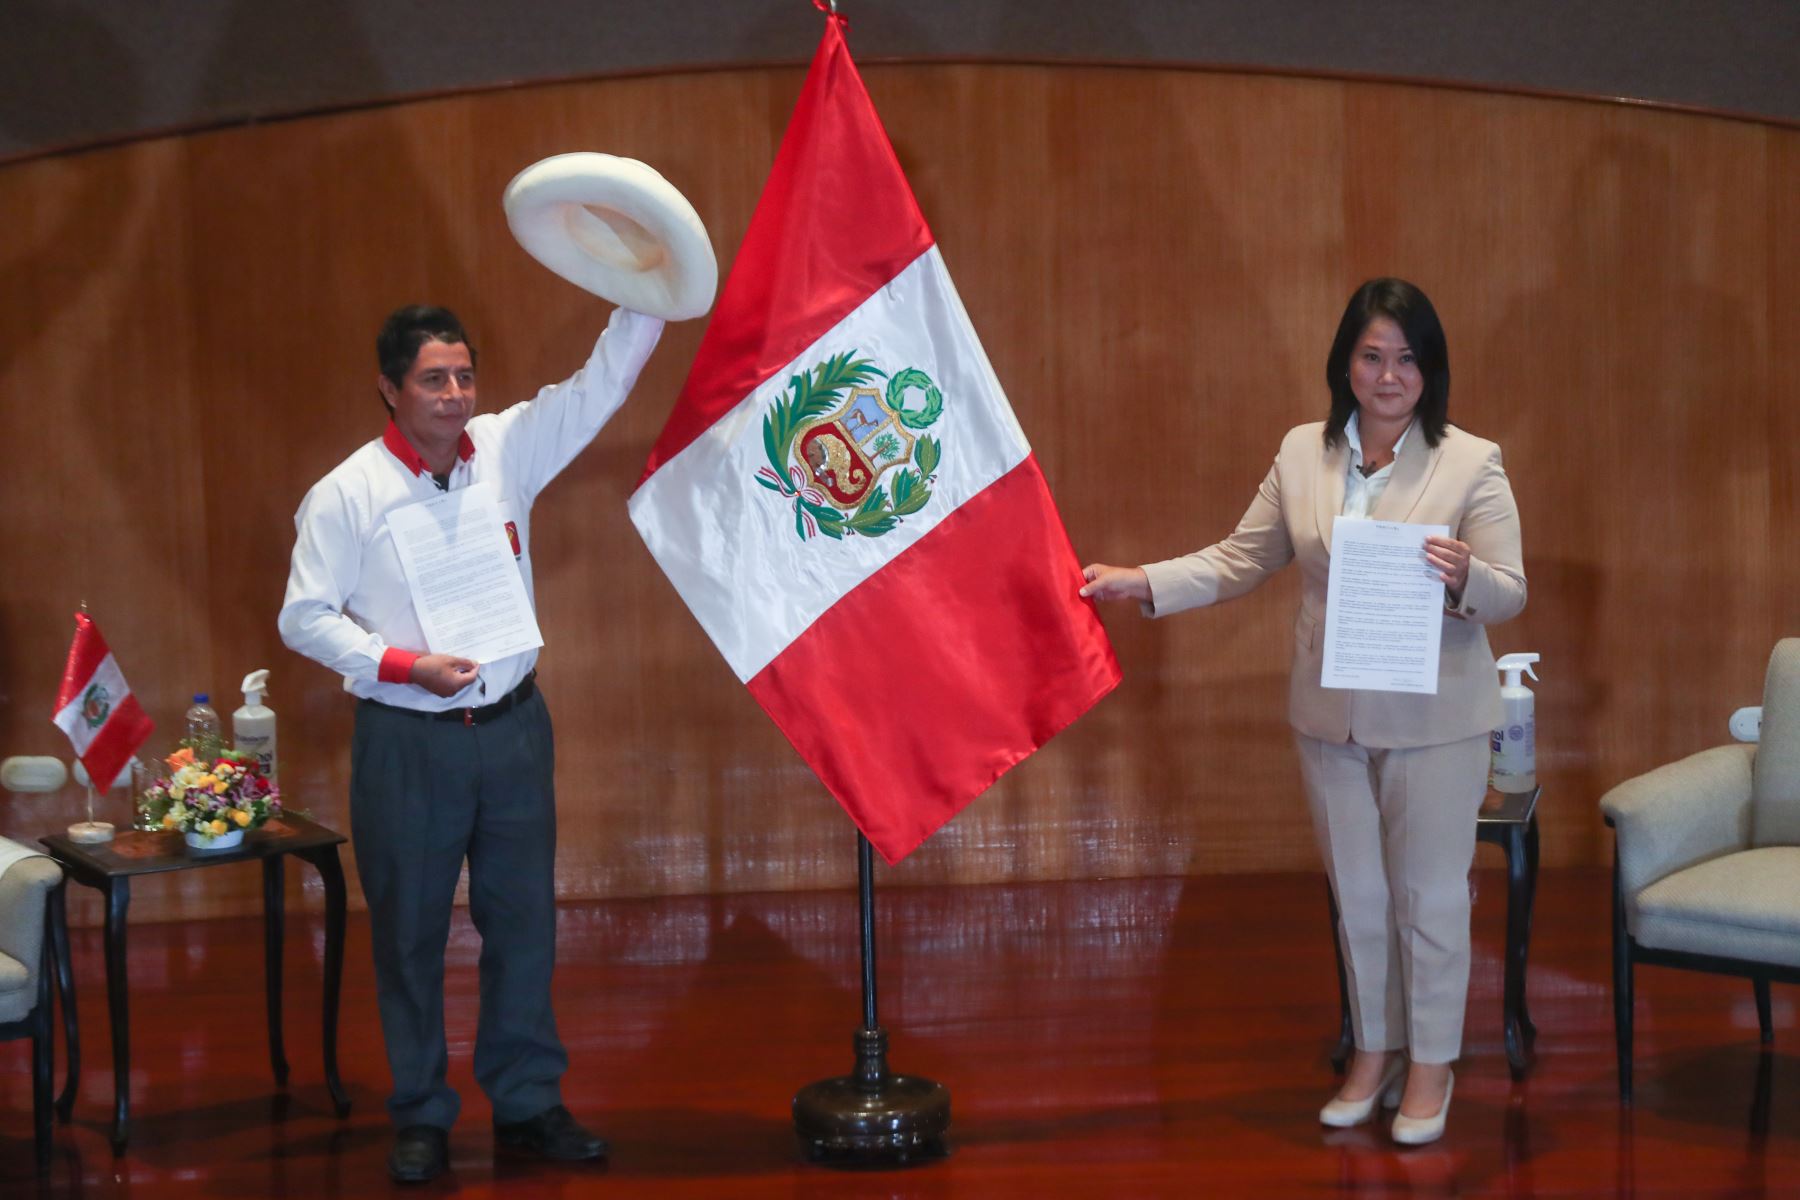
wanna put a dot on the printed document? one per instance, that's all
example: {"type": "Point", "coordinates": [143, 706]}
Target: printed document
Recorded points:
{"type": "Point", "coordinates": [466, 586]}
{"type": "Point", "coordinates": [1384, 608]}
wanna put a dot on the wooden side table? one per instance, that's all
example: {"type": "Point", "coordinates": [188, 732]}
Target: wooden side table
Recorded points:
{"type": "Point", "coordinates": [109, 867]}
{"type": "Point", "coordinates": [1511, 825]}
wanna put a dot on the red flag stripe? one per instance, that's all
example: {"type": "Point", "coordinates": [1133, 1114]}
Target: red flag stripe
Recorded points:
{"type": "Point", "coordinates": [86, 653]}
{"type": "Point", "coordinates": [1023, 653]}
{"type": "Point", "coordinates": [836, 221]}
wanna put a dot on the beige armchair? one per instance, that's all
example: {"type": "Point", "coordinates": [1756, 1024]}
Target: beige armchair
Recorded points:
{"type": "Point", "coordinates": [1706, 864]}
{"type": "Point", "coordinates": [25, 889]}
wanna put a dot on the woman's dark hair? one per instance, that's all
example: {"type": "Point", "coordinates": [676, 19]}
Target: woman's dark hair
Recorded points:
{"type": "Point", "coordinates": [1407, 307]}
{"type": "Point", "coordinates": [407, 329]}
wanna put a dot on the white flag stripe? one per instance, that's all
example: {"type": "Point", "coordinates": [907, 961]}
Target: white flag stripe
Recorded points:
{"type": "Point", "coordinates": [69, 718]}
{"type": "Point", "coordinates": [729, 545]}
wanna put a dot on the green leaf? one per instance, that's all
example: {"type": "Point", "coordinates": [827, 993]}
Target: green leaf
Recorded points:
{"type": "Point", "coordinates": [875, 501]}
{"type": "Point", "coordinates": [831, 521]}
{"type": "Point", "coordinates": [872, 524]}
{"type": "Point", "coordinates": [770, 442]}
{"type": "Point", "coordinates": [927, 452]}
{"type": "Point", "coordinates": [917, 495]}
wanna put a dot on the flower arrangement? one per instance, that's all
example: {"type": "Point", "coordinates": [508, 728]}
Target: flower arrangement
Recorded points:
{"type": "Point", "coordinates": [211, 795]}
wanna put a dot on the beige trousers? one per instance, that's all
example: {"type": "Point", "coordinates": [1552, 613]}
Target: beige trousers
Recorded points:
{"type": "Point", "coordinates": [1396, 829]}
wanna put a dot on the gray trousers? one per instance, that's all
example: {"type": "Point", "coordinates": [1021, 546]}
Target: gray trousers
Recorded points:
{"type": "Point", "coordinates": [1397, 831]}
{"type": "Point", "coordinates": [424, 796]}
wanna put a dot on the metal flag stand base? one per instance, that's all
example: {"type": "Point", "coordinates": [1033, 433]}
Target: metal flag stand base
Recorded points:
{"type": "Point", "coordinates": [871, 1117]}
{"type": "Point", "coordinates": [90, 832]}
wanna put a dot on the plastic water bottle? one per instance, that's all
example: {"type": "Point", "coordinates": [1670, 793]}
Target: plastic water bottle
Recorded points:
{"type": "Point", "coordinates": [203, 727]}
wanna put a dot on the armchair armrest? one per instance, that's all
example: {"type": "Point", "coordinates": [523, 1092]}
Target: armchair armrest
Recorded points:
{"type": "Point", "coordinates": [1680, 814]}
{"type": "Point", "coordinates": [24, 890]}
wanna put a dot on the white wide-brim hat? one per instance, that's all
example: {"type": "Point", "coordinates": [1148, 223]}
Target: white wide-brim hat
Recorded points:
{"type": "Point", "coordinates": [614, 227]}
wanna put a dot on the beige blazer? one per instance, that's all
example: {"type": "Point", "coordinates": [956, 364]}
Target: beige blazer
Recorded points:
{"type": "Point", "coordinates": [1461, 484]}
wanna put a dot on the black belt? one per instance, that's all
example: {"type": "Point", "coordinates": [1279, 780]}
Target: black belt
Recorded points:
{"type": "Point", "coordinates": [472, 716]}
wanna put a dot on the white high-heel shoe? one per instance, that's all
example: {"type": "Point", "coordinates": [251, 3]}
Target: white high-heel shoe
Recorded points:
{"type": "Point", "coordinates": [1416, 1131]}
{"type": "Point", "coordinates": [1342, 1114]}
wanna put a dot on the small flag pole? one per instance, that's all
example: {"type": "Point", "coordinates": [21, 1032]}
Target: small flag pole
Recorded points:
{"type": "Point", "coordinates": [871, 1116]}
{"type": "Point", "coordinates": [89, 832]}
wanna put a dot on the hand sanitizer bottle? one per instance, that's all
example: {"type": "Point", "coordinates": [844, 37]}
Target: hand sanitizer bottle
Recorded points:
{"type": "Point", "coordinates": [1515, 742]}
{"type": "Point", "coordinates": [253, 725]}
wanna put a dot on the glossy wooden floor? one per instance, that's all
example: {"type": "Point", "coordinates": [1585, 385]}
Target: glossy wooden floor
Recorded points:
{"type": "Point", "coordinates": [1160, 1037]}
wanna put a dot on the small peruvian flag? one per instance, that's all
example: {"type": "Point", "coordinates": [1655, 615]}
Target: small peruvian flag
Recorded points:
{"type": "Point", "coordinates": [96, 709]}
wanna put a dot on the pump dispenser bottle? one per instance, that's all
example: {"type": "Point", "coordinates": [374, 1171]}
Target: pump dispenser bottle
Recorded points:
{"type": "Point", "coordinates": [1515, 742]}
{"type": "Point", "coordinates": [253, 725]}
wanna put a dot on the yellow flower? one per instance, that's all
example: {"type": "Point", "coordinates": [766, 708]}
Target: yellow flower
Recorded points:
{"type": "Point", "coordinates": [218, 827]}
{"type": "Point", "coordinates": [169, 821]}
{"type": "Point", "coordinates": [241, 817]}
{"type": "Point", "coordinates": [206, 781]}
{"type": "Point", "coordinates": [221, 787]}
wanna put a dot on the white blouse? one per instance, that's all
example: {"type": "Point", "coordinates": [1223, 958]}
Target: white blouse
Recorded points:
{"type": "Point", "coordinates": [1360, 494]}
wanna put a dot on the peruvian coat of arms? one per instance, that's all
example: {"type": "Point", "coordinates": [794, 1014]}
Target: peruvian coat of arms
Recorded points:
{"type": "Point", "coordinates": [95, 705]}
{"type": "Point", "coordinates": [847, 444]}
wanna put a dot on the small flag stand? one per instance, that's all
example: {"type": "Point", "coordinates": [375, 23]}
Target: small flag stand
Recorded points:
{"type": "Point", "coordinates": [871, 1117]}
{"type": "Point", "coordinates": [90, 831]}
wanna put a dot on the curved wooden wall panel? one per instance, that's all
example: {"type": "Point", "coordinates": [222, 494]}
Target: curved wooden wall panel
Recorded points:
{"type": "Point", "coordinates": [1155, 260]}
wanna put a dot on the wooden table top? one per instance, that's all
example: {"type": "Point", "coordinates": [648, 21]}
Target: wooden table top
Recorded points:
{"type": "Point", "coordinates": [1508, 808]}
{"type": "Point", "coordinates": [140, 852]}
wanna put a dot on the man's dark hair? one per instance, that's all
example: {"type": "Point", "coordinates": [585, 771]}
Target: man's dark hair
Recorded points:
{"type": "Point", "coordinates": [406, 329]}
{"type": "Point", "coordinates": [1407, 307]}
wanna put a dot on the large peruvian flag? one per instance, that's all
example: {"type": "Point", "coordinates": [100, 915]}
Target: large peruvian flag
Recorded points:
{"type": "Point", "coordinates": [846, 502]}
{"type": "Point", "coordinates": [96, 709]}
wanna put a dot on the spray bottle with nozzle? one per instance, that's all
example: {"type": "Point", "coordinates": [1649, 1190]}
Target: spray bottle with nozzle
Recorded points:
{"type": "Point", "coordinates": [1515, 742]}
{"type": "Point", "coordinates": [253, 725]}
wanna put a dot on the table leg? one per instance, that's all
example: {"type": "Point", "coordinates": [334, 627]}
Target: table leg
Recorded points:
{"type": "Point", "coordinates": [331, 874]}
{"type": "Point", "coordinates": [1759, 1100]}
{"type": "Point", "coordinates": [1518, 934]}
{"type": "Point", "coordinates": [1340, 1053]}
{"type": "Point", "coordinates": [1531, 878]}
{"type": "Point", "coordinates": [65, 992]}
{"type": "Point", "coordinates": [118, 902]}
{"type": "Point", "coordinates": [274, 929]}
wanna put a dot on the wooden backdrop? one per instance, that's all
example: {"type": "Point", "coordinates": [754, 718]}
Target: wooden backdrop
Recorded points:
{"type": "Point", "coordinates": [1155, 259]}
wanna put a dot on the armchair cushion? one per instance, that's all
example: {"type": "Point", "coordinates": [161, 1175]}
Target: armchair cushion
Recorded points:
{"type": "Point", "coordinates": [18, 991]}
{"type": "Point", "coordinates": [1681, 815]}
{"type": "Point", "coordinates": [1777, 786]}
{"type": "Point", "coordinates": [1744, 905]}
{"type": "Point", "coordinates": [24, 890]}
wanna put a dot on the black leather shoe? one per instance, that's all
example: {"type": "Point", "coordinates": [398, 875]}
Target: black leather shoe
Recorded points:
{"type": "Point", "coordinates": [554, 1134]}
{"type": "Point", "coordinates": [420, 1152]}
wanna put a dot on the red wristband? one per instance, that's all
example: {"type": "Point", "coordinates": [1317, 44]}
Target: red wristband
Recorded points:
{"type": "Point", "coordinates": [396, 665]}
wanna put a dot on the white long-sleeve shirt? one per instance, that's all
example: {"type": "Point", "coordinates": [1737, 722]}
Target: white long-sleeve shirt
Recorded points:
{"type": "Point", "coordinates": [348, 606]}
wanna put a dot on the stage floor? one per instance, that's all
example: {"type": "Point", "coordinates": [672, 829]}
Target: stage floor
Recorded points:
{"type": "Point", "coordinates": [1142, 1037]}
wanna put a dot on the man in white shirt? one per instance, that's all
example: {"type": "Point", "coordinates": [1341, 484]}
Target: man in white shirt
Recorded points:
{"type": "Point", "coordinates": [451, 759]}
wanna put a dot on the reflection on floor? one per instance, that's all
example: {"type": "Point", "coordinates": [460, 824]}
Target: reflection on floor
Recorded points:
{"type": "Point", "coordinates": [1152, 1037]}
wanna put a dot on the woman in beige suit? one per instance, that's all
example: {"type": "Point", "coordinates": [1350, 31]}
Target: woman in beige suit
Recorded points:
{"type": "Point", "coordinates": [1394, 780]}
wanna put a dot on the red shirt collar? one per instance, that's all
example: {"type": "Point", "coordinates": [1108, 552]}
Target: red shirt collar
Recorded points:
{"type": "Point", "coordinates": [400, 448]}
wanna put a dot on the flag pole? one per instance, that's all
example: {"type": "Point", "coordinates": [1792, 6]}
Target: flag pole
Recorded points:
{"type": "Point", "coordinates": [89, 832]}
{"type": "Point", "coordinates": [871, 1116]}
